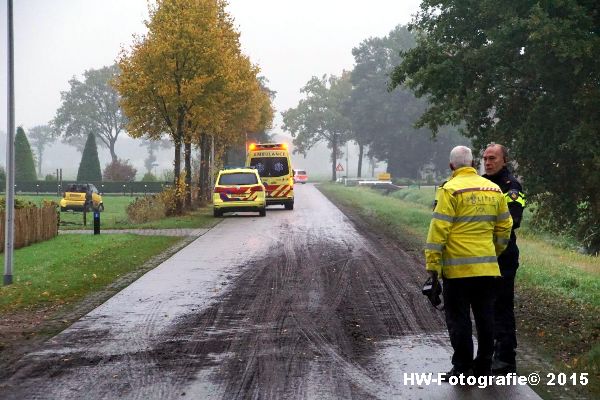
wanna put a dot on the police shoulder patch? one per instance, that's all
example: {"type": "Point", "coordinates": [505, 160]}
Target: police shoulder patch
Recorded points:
{"type": "Point", "coordinates": [513, 194]}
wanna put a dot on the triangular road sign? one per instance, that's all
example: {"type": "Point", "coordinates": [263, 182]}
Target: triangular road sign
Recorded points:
{"type": "Point", "coordinates": [339, 167]}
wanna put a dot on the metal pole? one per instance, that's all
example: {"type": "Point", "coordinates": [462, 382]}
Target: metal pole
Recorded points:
{"type": "Point", "coordinates": [9, 209]}
{"type": "Point", "coordinates": [347, 170]}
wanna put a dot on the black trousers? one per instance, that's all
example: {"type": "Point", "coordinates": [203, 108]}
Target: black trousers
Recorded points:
{"type": "Point", "coordinates": [505, 337]}
{"type": "Point", "coordinates": [461, 295]}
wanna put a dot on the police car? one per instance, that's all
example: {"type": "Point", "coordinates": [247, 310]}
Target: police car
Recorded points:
{"type": "Point", "coordinates": [239, 189]}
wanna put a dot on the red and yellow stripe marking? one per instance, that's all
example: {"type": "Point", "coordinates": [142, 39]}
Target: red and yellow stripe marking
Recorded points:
{"type": "Point", "coordinates": [278, 190]}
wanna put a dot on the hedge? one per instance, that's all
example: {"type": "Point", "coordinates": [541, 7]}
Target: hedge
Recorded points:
{"type": "Point", "coordinates": [103, 187]}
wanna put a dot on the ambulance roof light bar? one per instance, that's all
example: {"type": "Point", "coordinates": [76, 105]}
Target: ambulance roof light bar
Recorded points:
{"type": "Point", "coordinates": [268, 146]}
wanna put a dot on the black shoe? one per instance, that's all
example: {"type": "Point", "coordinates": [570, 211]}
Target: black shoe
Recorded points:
{"type": "Point", "coordinates": [503, 368]}
{"type": "Point", "coordinates": [456, 372]}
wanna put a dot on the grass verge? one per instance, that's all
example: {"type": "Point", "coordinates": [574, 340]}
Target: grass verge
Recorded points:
{"type": "Point", "coordinates": [558, 296]}
{"type": "Point", "coordinates": [69, 267]}
{"type": "Point", "coordinates": [114, 216]}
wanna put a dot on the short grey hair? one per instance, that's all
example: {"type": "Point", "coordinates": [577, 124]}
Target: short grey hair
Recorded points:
{"type": "Point", "coordinates": [461, 156]}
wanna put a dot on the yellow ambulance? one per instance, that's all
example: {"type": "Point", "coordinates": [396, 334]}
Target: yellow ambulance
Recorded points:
{"type": "Point", "coordinates": [272, 161]}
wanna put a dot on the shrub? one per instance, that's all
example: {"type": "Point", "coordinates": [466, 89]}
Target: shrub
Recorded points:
{"type": "Point", "coordinates": [119, 170]}
{"type": "Point", "coordinates": [163, 204]}
{"type": "Point", "coordinates": [172, 194]}
{"type": "Point", "coordinates": [50, 178]}
{"type": "Point", "coordinates": [24, 164]}
{"type": "Point", "coordinates": [149, 177]}
{"type": "Point", "coordinates": [147, 208]}
{"type": "Point", "coordinates": [19, 203]}
{"type": "Point", "coordinates": [89, 167]}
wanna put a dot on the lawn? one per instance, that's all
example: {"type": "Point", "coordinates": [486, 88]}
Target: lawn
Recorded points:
{"type": "Point", "coordinates": [114, 215]}
{"type": "Point", "coordinates": [69, 267]}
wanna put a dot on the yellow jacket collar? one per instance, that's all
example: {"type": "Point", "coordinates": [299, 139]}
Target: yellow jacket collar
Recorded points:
{"type": "Point", "coordinates": [464, 171]}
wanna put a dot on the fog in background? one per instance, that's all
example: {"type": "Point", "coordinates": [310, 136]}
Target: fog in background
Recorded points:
{"type": "Point", "coordinates": [290, 40]}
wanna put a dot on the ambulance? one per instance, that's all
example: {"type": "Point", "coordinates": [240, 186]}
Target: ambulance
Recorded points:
{"type": "Point", "coordinates": [272, 161]}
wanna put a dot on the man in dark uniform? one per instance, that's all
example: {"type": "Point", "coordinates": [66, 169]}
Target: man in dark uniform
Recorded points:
{"type": "Point", "coordinates": [495, 158]}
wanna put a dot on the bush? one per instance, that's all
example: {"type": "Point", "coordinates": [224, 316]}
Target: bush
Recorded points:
{"type": "Point", "coordinates": [19, 203]}
{"type": "Point", "coordinates": [404, 181]}
{"type": "Point", "coordinates": [151, 208]}
{"type": "Point", "coordinates": [174, 194]}
{"type": "Point", "coordinates": [49, 178]}
{"type": "Point", "coordinates": [147, 208]}
{"type": "Point", "coordinates": [149, 177]}
{"type": "Point", "coordinates": [24, 164]}
{"type": "Point", "coordinates": [119, 170]}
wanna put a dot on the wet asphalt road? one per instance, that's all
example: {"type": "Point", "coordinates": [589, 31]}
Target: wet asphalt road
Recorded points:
{"type": "Point", "coordinates": [300, 304]}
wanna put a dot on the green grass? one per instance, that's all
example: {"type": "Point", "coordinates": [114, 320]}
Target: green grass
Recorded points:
{"type": "Point", "coordinates": [560, 271]}
{"type": "Point", "coordinates": [69, 267]}
{"type": "Point", "coordinates": [390, 211]}
{"type": "Point", "coordinates": [423, 196]}
{"type": "Point", "coordinates": [114, 215]}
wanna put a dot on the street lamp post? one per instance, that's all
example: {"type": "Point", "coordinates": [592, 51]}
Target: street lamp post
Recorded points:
{"type": "Point", "coordinates": [9, 212]}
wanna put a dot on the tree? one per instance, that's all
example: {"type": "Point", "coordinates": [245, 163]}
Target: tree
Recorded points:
{"type": "Point", "coordinates": [525, 74]}
{"type": "Point", "coordinates": [24, 164]}
{"type": "Point", "coordinates": [188, 78]}
{"type": "Point", "coordinates": [384, 120]}
{"type": "Point", "coordinates": [319, 117]}
{"type": "Point", "coordinates": [119, 171]}
{"type": "Point", "coordinates": [152, 146]}
{"type": "Point", "coordinates": [91, 106]}
{"type": "Point", "coordinates": [41, 136]}
{"type": "Point", "coordinates": [89, 167]}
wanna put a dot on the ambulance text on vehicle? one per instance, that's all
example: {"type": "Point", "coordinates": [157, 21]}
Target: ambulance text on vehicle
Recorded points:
{"type": "Point", "coordinates": [272, 161]}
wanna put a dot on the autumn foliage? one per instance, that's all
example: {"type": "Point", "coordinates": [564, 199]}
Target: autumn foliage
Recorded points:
{"type": "Point", "coordinates": [187, 79]}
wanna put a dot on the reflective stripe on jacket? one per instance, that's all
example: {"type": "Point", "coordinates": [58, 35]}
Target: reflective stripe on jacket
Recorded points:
{"type": "Point", "coordinates": [470, 227]}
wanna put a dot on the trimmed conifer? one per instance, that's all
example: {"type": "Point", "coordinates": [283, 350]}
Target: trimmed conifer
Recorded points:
{"type": "Point", "coordinates": [89, 167]}
{"type": "Point", "coordinates": [24, 164]}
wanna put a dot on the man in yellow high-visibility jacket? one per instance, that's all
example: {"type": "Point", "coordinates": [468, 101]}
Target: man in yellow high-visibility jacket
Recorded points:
{"type": "Point", "coordinates": [470, 227]}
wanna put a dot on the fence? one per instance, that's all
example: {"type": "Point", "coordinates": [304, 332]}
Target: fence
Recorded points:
{"type": "Point", "coordinates": [32, 225]}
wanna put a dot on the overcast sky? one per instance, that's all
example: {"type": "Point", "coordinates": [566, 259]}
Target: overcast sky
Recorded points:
{"type": "Point", "coordinates": [291, 40]}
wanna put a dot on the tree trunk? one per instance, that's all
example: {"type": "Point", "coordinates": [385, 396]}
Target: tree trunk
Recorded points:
{"type": "Point", "coordinates": [111, 148]}
{"type": "Point", "coordinates": [361, 149]}
{"type": "Point", "coordinates": [177, 173]}
{"type": "Point", "coordinates": [205, 190]}
{"type": "Point", "coordinates": [188, 175]}
{"type": "Point", "coordinates": [40, 153]}
{"type": "Point", "coordinates": [333, 157]}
